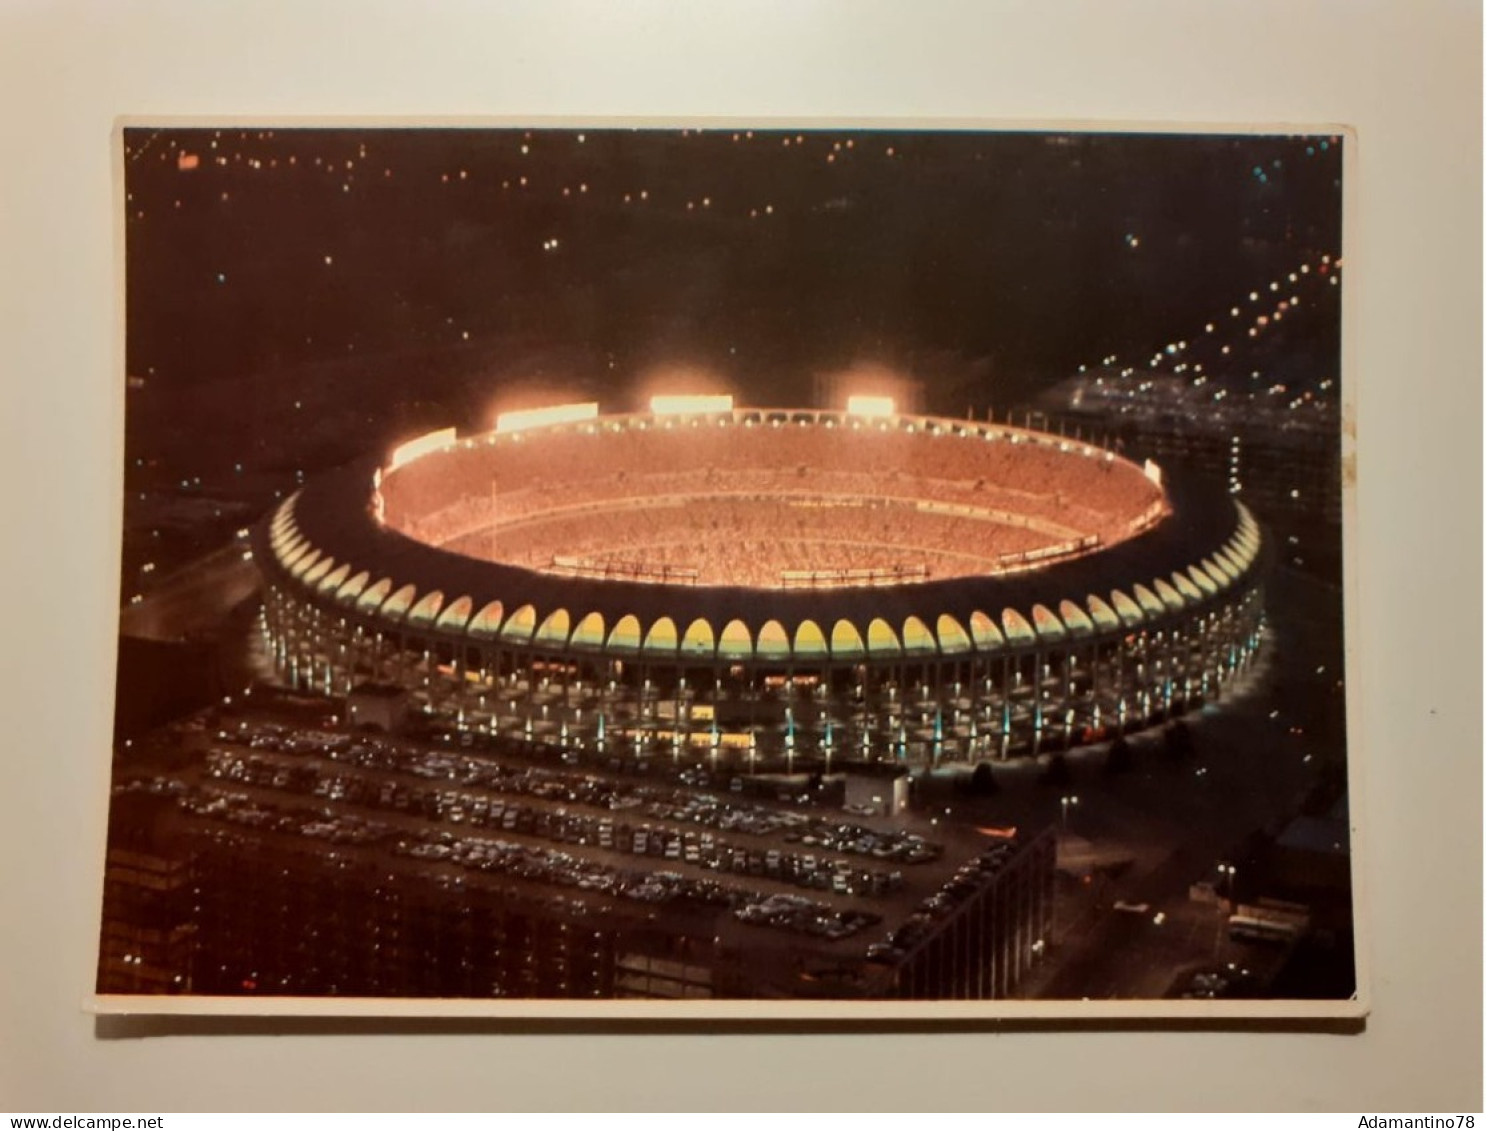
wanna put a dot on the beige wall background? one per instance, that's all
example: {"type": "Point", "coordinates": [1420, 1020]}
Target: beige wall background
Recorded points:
{"type": "Point", "coordinates": [1406, 75]}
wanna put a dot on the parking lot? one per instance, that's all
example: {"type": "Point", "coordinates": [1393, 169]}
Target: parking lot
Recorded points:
{"type": "Point", "coordinates": [597, 841]}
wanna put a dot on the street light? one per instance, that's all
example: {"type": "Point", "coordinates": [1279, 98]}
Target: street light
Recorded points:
{"type": "Point", "coordinates": [1228, 871]}
{"type": "Point", "coordinates": [1067, 800]}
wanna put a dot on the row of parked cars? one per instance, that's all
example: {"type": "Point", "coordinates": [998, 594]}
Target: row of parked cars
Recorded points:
{"type": "Point", "coordinates": [796, 913]}
{"type": "Point", "coordinates": [899, 847]}
{"type": "Point", "coordinates": [318, 824]}
{"type": "Point", "coordinates": [968, 879]}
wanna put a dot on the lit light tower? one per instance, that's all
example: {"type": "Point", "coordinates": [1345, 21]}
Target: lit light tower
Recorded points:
{"type": "Point", "coordinates": [1068, 801]}
{"type": "Point", "coordinates": [1228, 871]}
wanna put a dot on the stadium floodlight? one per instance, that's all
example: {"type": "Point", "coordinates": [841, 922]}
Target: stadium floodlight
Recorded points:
{"type": "Point", "coordinates": [551, 414]}
{"type": "Point", "coordinates": [674, 404]}
{"type": "Point", "coordinates": [413, 449]}
{"type": "Point", "coordinates": [862, 405]}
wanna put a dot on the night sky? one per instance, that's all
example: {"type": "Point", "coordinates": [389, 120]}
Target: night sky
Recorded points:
{"type": "Point", "coordinates": [764, 256]}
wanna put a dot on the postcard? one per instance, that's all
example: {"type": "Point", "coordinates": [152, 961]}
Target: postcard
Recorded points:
{"type": "Point", "coordinates": [732, 569]}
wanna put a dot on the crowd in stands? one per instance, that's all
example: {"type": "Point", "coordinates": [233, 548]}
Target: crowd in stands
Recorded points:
{"type": "Point", "coordinates": [740, 505]}
{"type": "Point", "coordinates": [730, 540]}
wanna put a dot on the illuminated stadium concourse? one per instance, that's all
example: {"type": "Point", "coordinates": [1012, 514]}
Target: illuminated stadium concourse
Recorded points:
{"type": "Point", "coordinates": [766, 588]}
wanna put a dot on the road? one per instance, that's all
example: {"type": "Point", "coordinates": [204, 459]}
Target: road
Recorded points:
{"type": "Point", "coordinates": [196, 599]}
{"type": "Point", "coordinates": [1105, 953]}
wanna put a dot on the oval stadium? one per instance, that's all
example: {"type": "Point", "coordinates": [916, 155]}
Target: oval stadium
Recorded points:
{"type": "Point", "coordinates": [766, 588]}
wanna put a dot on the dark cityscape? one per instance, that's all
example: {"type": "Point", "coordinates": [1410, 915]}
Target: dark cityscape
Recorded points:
{"type": "Point", "coordinates": [1015, 366]}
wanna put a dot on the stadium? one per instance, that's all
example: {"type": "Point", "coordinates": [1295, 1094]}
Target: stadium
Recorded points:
{"type": "Point", "coordinates": [766, 588]}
